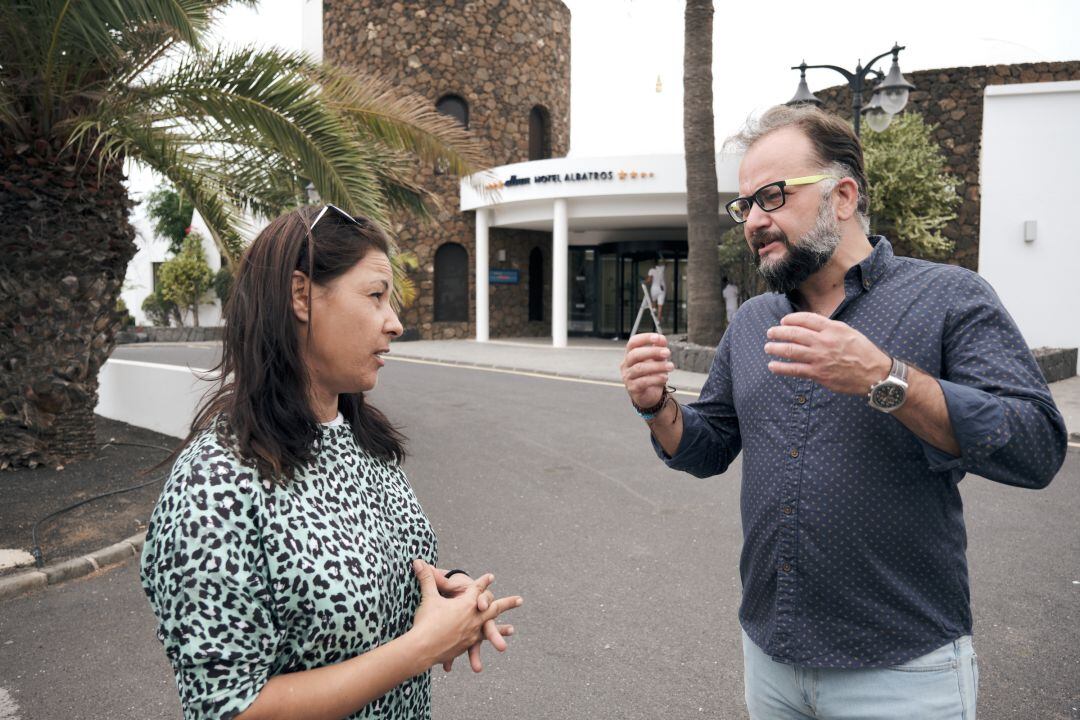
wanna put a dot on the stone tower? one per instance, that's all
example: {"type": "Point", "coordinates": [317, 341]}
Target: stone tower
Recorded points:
{"type": "Point", "coordinates": [505, 66]}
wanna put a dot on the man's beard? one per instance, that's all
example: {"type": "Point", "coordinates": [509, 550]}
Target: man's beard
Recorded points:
{"type": "Point", "coordinates": [804, 258]}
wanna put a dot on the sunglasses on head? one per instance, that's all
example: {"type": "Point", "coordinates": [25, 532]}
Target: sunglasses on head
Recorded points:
{"type": "Point", "coordinates": [340, 213]}
{"type": "Point", "coordinates": [334, 210]}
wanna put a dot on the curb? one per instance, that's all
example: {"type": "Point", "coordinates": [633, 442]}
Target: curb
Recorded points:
{"type": "Point", "coordinates": [15, 585]}
{"type": "Point", "coordinates": [556, 374]}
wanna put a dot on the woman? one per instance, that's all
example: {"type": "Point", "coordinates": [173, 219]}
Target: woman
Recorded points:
{"type": "Point", "coordinates": [281, 556]}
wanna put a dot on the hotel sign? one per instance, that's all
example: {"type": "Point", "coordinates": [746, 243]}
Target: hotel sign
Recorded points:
{"type": "Point", "coordinates": [504, 276]}
{"type": "Point", "coordinates": [600, 175]}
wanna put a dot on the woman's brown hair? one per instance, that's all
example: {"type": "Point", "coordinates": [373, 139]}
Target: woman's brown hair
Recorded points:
{"type": "Point", "coordinates": [261, 391]}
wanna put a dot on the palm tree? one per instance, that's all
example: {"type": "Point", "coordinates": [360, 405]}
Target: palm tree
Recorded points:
{"type": "Point", "coordinates": [86, 87]}
{"type": "Point", "coordinates": [704, 302]}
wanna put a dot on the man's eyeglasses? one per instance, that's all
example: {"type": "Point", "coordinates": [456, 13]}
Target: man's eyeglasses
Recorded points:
{"type": "Point", "coordinates": [341, 213]}
{"type": "Point", "coordinates": [768, 197]}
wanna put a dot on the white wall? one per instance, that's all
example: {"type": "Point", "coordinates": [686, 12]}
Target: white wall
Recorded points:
{"type": "Point", "coordinates": [311, 28]}
{"type": "Point", "coordinates": [162, 398]}
{"type": "Point", "coordinates": [1030, 157]}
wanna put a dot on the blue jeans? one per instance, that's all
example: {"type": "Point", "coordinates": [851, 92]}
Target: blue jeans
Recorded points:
{"type": "Point", "coordinates": [941, 685]}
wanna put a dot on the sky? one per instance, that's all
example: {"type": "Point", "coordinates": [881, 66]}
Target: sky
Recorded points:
{"type": "Point", "coordinates": [620, 47]}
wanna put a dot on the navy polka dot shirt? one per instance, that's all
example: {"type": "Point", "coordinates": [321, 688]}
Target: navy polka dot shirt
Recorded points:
{"type": "Point", "coordinates": [853, 528]}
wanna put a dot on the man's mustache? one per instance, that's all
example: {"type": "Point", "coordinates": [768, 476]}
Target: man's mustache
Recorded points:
{"type": "Point", "coordinates": [761, 238]}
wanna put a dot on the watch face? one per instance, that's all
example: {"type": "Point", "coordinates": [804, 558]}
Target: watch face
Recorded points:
{"type": "Point", "coordinates": [889, 396]}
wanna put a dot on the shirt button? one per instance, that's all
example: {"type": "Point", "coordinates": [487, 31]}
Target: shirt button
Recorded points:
{"type": "Point", "coordinates": [794, 452]}
{"type": "Point", "coordinates": [866, 283]}
{"type": "Point", "coordinates": [786, 567]}
{"type": "Point", "coordinates": [788, 510]}
{"type": "Point", "coordinates": [801, 399]}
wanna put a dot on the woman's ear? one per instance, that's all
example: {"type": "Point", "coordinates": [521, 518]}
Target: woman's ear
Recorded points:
{"type": "Point", "coordinates": [847, 198]}
{"type": "Point", "coordinates": [301, 296]}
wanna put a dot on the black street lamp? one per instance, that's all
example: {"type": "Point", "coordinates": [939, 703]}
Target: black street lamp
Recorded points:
{"type": "Point", "coordinates": [888, 98]}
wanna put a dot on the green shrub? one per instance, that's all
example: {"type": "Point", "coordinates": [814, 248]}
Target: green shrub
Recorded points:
{"type": "Point", "coordinates": [186, 279]}
{"type": "Point", "coordinates": [911, 196]}
{"type": "Point", "coordinates": [159, 311]}
{"type": "Point", "coordinates": [171, 215]}
{"type": "Point", "coordinates": [223, 282]}
{"type": "Point", "coordinates": [126, 320]}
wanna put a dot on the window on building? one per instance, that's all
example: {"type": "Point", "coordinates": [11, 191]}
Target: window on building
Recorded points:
{"type": "Point", "coordinates": [536, 284]}
{"type": "Point", "coordinates": [451, 283]}
{"type": "Point", "coordinates": [539, 133]}
{"type": "Point", "coordinates": [456, 107]}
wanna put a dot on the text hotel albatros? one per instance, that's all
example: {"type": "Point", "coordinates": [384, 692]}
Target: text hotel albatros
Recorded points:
{"type": "Point", "coordinates": [567, 177]}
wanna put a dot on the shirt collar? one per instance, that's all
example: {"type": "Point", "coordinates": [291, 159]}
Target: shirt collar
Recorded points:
{"type": "Point", "coordinates": [860, 278]}
{"type": "Point", "coordinates": [876, 264]}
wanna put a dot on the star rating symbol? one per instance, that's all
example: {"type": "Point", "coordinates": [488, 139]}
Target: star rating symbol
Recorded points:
{"type": "Point", "coordinates": [635, 174]}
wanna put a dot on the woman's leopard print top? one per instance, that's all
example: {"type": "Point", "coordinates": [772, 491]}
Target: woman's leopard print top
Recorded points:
{"type": "Point", "coordinates": [251, 580]}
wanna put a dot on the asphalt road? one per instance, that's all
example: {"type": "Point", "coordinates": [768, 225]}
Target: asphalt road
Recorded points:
{"type": "Point", "coordinates": [629, 570]}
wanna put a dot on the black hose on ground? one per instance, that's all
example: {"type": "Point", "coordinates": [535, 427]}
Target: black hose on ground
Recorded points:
{"type": "Point", "coordinates": [39, 558]}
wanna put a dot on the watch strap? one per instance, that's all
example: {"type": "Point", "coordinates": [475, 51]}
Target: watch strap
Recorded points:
{"type": "Point", "coordinates": [899, 370]}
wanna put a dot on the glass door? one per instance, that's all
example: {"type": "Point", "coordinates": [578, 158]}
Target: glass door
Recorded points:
{"type": "Point", "coordinates": [636, 268]}
{"type": "Point", "coordinates": [620, 275]}
{"type": "Point", "coordinates": [580, 289]}
{"type": "Point", "coordinates": [609, 296]}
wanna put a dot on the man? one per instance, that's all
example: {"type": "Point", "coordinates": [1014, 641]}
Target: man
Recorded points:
{"type": "Point", "coordinates": [731, 297]}
{"type": "Point", "coordinates": [658, 287]}
{"type": "Point", "coordinates": [861, 389]}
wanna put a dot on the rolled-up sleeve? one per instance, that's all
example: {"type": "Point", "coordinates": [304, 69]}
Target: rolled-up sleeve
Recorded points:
{"type": "Point", "coordinates": [205, 575]}
{"type": "Point", "coordinates": [710, 439]}
{"type": "Point", "coordinates": [1002, 413]}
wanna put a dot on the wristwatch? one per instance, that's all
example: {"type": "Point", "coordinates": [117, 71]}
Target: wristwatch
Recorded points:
{"type": "Point", "coordinates": [889, 394]}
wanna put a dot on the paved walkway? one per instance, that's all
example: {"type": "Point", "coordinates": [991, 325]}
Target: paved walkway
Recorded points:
{"type": "Point", "coordinates": [597, 359]}
{"type": "Point", "coordinates": [589, 358]}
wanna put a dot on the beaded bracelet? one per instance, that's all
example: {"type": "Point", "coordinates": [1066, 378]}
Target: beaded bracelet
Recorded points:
{"type": "Point", "coordinates": [650, 413]}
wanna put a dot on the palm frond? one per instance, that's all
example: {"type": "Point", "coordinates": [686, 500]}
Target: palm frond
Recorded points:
{"type": "Point", "coordinates": [169, 155]}
{"type": "Point", "coordinates": [240, 132]}
{"type": "Point", "coordinates": [259, 99]}
{"type": "Point", "coordinates": [405, 291]}
{"type": "Point", "coordinates": [10, 117]}
{"type": "Point", "coordinates": [405, 122]}
{"type": "Point", "coordinates": [52, 50]}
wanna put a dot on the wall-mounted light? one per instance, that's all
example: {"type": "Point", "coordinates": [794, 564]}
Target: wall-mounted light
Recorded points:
{"type": "Point", "coordinates": [501, 255]}
{"type": "Point", "coordinates": [1031, 230]}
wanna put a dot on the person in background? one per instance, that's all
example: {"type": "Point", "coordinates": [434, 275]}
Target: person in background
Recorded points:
{"type": "Point", "coordinates": [288, 561]}
{"type": "Point", "coordinates": [860, 391]}
{"type": "Point", "coordinates": [658, 287]}
{"type": "Point", "coordinates": [731, 298]}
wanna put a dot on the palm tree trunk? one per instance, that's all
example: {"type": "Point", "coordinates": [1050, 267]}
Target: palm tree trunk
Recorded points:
{"type": "Point", "coordinates": [65, 249]}
{"type": "Point", "coordinates": [705, 304]}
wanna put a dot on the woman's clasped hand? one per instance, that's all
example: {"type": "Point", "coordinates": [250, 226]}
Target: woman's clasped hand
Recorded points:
{"type": "Point", "coordinates": [456, 614]}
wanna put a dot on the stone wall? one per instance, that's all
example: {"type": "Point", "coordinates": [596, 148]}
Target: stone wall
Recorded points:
{"type": "Point", "coordinates": [170, 334]}
{"type": "Point", "coordinates": [503, 57]}
{"type": "Point", "coordinates": [1056, 363]}
{"type": "Point", "coordinates": [510, 303]}
{"type": "Point", "coordinates": [690, 357]}
{"type": "Point", "coordinates": [952, 98]}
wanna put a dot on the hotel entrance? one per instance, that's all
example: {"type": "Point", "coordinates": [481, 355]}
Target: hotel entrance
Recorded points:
{"type": "Point", "coordinates": [605, 287]}
{"type": "Point", "coordinates": [611, 219]}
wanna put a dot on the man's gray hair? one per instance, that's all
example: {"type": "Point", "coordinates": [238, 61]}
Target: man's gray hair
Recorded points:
{"type": "Point", "coordinates": [834, 142]}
